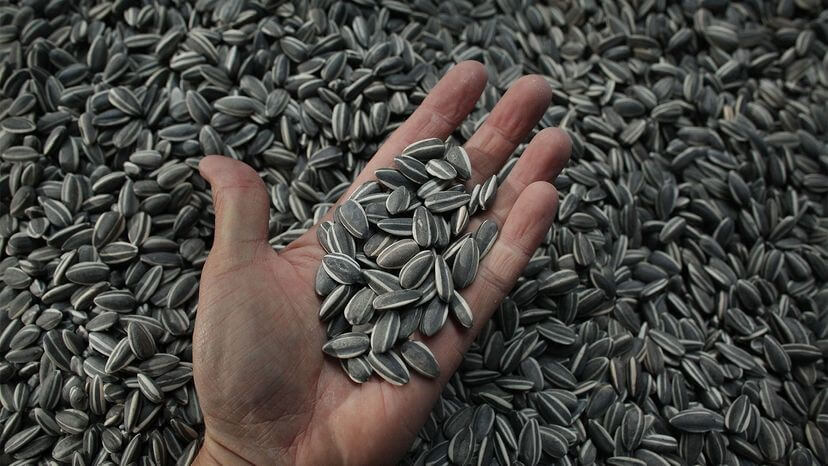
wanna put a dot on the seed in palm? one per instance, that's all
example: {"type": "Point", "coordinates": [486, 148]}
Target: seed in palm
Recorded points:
{"type": "Point", "coordinates": [404, 276]}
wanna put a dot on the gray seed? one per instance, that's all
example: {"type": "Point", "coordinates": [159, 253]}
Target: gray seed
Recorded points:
{"type": "Point", "coordinates": [425, 149]}
{"type": "Point", "coordinates": [20, 439]}
{"type": "Point", "coordinates": [419, 357]}
{"type": "Point", "coordinates": [353, 218]}
{"type": "Point", "coordinates": [150, 389]}
{"type": "Point", "coordinates": [389, 366]}
{"type": "Point", "coordinates": [401, 226]}
{"type": "Point", "coordinates": [395, 299]}
{"type": "Point", "coordinates": [698, 420]}
{"type": "Point", "coordinates": [380, 281]}
{"type": "Point", "coordinates": [466, 260]}
{"type": "Point", "coordinates": [120, 357]}
{"type": "Point", "coordinates": [347, 345]}
{"type": "Point", "coordinates": [398, 201]}
{"type": "Point", "coordinates": [459, 221]}
{"type": "Point", "coordinates": [182, 290]}
{"type": "Point", "coordinates": [340, 241]}
{"type": "Point", "coordinates": [358, 369]}
{"type": "Point", "coordinates": [458, 158]}
{"type": "Point", "coordinates": [412, 169]}
{"type": "Point", "coordinates": [335, 302]}
{"type": "Point", "coordinates": [487, 193]}
{"type": "Point", "coordinates": [323, 283]}
{"type": "Point", "coordinates": [417, 269]}
{"type": "Point", "coordinates": [441, 169]}
{"type": "Point", "coordinates": [529, 443]}
{"type": "Point", "coordinates": [461, 310]}
{"type": "Point", "coordinates": [737, 417]}
{"type": "Point", "coordinates": [423, 228]}
{"type": "Point", "coordinates": [442, 279]}
{"type": "Point", "coordinates": [377, 243]}
{"type": "Point", "coordinates": [392, 179]}
{"type": "Point", "coordinates": [341, 268]}
{"type": "Point", "coordinates": [632, 428]}
{"type": "Point", "coordinates": [396, 255]}
{"type": "Point", "coordinates": [434, 317]}
{"type": "Point", "coordinates": [559, 283]}
{"type": "Point", "coordinates": [385, 332]}
{"type": "Point", "coordinates": [72, 421]}
{"type": "Point", "coordinates": [553, 443]}
{"type": "Point", "coordinates": [445, 201]}
{"type": "Point", "coordinates": [141, 341]}
{"type": "Point", "coordinates": [485, 235]}
{"type": "Point", "coordinates": [360, 308]}
{"type": "Point", "coordinates": [461, 446]}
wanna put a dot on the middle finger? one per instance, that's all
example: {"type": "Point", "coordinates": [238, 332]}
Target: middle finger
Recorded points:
{"type": "Point", "coordinates": [514, 116]}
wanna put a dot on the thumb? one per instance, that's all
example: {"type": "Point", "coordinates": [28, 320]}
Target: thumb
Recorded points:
{"type": "Point", "coordinates": [241, 204]}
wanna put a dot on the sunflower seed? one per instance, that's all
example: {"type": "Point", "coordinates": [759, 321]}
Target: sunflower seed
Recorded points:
{"type": "Point", "coordinates": [698, 420]}
{"type": "Point", "coordinates": [417, 269]}
{"type": "Point", "coordinates": [412, 169]}
{"type": "Point", "coordinates": [141, 341]}
{"type": "Point", "coordinates": [347, 345]}
{"type": "Point", "coordinates": [461, 310]}
{"type": "Point", "coordinates": [485, 236]}
{"type": "Point", "coordinates": [389, 366]}
{"type": "Point", "coordinates": [353, 218]}
{"type": "Point", "coordinates": [459, 159]}
{"type": "Point", "coordinates": [398, 201]}
{"type": "Point", "coordinates": [441, 169]}
{"type": "Point", "coordinates": [401, 226]}
{"type": "Point", "coordinates": [360, 308]}
{"type": "Point", "coordinates": [466, 260]}
{"type": "Point", "coordinates": [396, 299]}
{"type": "Point", "coordinates": [335, 302]}
{"type": "Point", "coordinates": [445, 201]}
{"type": "Point", "coordinates": [423, 228]}
{"type": "Point", "coordinates": [341, 268]}
{"type": "Point", "coordinates": [358, 369]}
{"type": "Point", "coordinates": [150, 389]}
{"type": "Point", "coordinates": [381, 282]}
{"type": "Point", "coordinates": [397, 254]}
{"type": "Point", "coordinates": [425, 149]}
{"type": "Point", "coordinates": [72, 421]}
{"type": "Point", "coordinates": [419, 357]}
{"type": "Point", "coordinates": [434, 317]}
{"type": "Point", "coordinates": [487, 193]}
{"type": "Point", "coordinates": [529, 441]}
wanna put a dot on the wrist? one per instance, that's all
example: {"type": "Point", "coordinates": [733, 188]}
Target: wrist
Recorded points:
{"type": "Point", "coordinates": [213, 453]}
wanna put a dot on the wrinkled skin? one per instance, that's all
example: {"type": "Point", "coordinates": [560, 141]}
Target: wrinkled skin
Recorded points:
{"type": "Point", "coordinates": [267, 393]}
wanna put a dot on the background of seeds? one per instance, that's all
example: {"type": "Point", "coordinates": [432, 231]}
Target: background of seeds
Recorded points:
{"type": "Point", "coordinates": [675, 313]}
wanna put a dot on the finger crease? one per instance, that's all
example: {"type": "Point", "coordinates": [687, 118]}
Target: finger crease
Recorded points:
{"type": "Point", "coordinates": [434, 112]}
{"type": "Point", "coordinates": [486, 157]}
{"type": "Point", "coordinates": [504, 134]}
{"type": "Point", "coordinates": [516, 246]}
{"type": "Point", "coordinates": [497, 280]}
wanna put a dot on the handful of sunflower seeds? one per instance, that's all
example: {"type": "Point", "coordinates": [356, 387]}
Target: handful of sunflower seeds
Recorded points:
{"type": "Point", "coordinates": [397, 252]}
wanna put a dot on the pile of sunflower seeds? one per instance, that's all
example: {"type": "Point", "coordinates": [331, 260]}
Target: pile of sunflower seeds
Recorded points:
{"type": "Point", "coordinates": [397, 251]}
{"type": "Point", "coordinates": [676, 313]}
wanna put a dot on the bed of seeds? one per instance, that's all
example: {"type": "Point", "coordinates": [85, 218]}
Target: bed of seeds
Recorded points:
{"type": "Point", "coordinates": [676, 313]}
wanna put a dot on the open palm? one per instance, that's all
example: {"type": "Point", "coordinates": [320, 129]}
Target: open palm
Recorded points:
{"type": "Point", "coordinates": [268, 394]}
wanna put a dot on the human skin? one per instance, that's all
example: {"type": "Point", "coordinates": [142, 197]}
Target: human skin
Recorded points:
{"type": "Point", "coordinates": [267, 393]}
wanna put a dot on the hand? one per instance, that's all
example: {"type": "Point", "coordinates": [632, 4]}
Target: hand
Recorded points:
{"type": "Point", "coordinates": [267, 393]}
